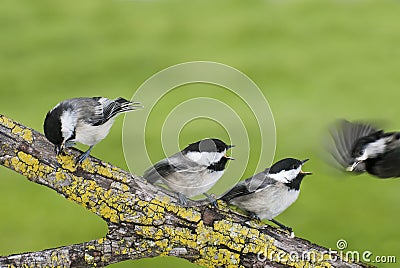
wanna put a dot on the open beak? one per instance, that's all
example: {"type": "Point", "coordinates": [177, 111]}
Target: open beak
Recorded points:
{"type": "Point", "coordinates": [305, 172]}
{"type": "Point", "coordinates": [227, 148]}
{"type": "Point", "coordinates": [229, 157]}
{"type": "Point", "coordinates": [59, 148]}
{"type": "Point", "coordinates": [353, 166]}
{"type": "Point", "coordinates": [305, 160]}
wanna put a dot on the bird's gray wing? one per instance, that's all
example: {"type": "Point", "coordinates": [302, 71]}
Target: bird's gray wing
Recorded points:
{"type": "Point", "coordinates": [175, 163]}
{"type": "Point", "coordinates": [387, 166]}
{"type": "Point", "coordinates": [160, 170]}
{"type": "Point", "coordinates": [84, 109]}
{"type": "Point", "coordinates": [344, 135]}
{"type": "Point", "coordinates": [250, 185]}
{"type": "Point", "coordinates": [239, 189]}
{"type": "Point", "coordinates": [98, 110]}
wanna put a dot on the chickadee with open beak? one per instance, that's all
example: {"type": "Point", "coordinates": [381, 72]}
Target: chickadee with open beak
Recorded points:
{"type": "Point", "coordinates": [269, 193]}
{"type": "Point", "coordinates": [83, 120]}
{"type": "Point", "coordinates": [193, 171]}
{"type": "Point", "coordinates": [360, 147]}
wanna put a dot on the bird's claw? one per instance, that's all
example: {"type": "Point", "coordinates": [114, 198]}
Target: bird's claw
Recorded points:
{"type": "Point", "coordinates": [83, 156]}
{"type": "Point", "coordinates": [254, 216]}
{"type": "Point", "coordinates": [283, 227]}
{"type": "Point", "coordinates": [69, 144]}
{"type": "Point", "coordinates": [211, 198]}
{"type": "Point", "coordinates": [182, 199]}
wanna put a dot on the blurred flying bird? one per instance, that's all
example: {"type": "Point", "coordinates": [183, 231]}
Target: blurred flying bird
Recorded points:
{"type": "Point", "coordinates": [361, 147]}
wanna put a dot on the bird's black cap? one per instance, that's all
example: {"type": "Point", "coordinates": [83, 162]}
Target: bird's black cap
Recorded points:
{"type": "Point", "coordinates": [208, 145]}
{"type": "Point", "coordinates": [285, 164]}
{"type": "Point", "coordinates": [52, 126]}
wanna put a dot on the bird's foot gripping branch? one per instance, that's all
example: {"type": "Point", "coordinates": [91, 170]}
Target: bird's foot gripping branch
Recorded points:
{"type": "Point", "coordinates": [144, 220]}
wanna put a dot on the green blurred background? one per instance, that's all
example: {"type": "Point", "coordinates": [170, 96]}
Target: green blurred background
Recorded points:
{"type": "Point", "coordinates": [315, 61]}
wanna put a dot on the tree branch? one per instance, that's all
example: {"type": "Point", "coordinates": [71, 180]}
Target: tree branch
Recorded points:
{"type": "Point", "coordinates": [145, 220]}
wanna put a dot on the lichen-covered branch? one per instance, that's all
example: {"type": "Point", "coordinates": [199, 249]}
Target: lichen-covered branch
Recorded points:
{"type": "Point", "coordinates": [145, 220]}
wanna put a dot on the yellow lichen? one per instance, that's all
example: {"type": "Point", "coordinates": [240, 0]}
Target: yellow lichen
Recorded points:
{"type": "Point", "coordinates": [89, 258]}
{"type": "Point", "coordinates": [24, 133]}
{"type": "Point", "coordinates": [88, 166]}
{"type": "Point", "coordinates": [54, 257]}
{"type": "Point", "coordinates": [8, 123]}
{"type": "Point", "coordinates": [28, 159]}
{"type": "Point", "coordinates": [108, 213]}
{"type": "Point", "coordinates": [213, 257]}
{"type": "Point", "coordinates": [60, 176]}
{"type": "Point", "coordinates": [104, 171]}
{"type": "Point", "coordinates": [125, 187]}
{"type": "Point", "coordinates": [67, 162]}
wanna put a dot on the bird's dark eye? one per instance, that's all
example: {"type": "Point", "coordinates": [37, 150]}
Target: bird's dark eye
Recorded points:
{"type": "Point", "coordinates": [360, 152]}
{"type": "Point", "coordinates": [295, 166]}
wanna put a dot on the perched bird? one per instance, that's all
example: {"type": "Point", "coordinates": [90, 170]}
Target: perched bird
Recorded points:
{"type": "Point", "coordinates": [269, 193]}
{"type": "Point", "coordinates": [192, 171]}
{"type": "Point", "coordinates": [360, 147]}
{"type": "Point", "coordinates": [83, 120]}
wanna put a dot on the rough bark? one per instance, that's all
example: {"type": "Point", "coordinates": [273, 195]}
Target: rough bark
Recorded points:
{"type": "Point", "coordinates": [145, 220]}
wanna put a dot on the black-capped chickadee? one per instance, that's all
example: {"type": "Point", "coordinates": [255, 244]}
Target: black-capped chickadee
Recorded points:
{"type": "Point", "coordinates": [83, 120]}
{"type": "Point", "coordinates": [269, 193]}
{"type": "Point", "coordinates": [361, 147]}
{"type": "Point", "coordinates": [193, 171]}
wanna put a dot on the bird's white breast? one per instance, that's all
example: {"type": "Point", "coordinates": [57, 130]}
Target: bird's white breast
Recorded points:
{"type": "Point", "coordinates": [91, 135]}
{"type": "Point", "coordinates": [268, 202]}
{"type": "Point", "coordinates": [192, 183]}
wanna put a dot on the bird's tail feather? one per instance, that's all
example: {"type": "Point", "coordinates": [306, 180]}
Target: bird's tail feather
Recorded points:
{"type": "Point", "coordinates": [117, 106]}
{"type": "Point", "coordinates": [123, 105]}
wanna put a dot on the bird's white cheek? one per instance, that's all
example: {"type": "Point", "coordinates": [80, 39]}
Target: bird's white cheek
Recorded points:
{"type": "Point", "coordinates": [68, 123]}
{"type": "Point", "coordinates": [292, 174]}
{"type": "Point", "coordinates": [204, 158]}
{"type": "Point", "coordinates": [279, 177]}
{"type": "Point", "coordinates": [286, 176]}
{"type": "Point", "coordinates": [374, 149]}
